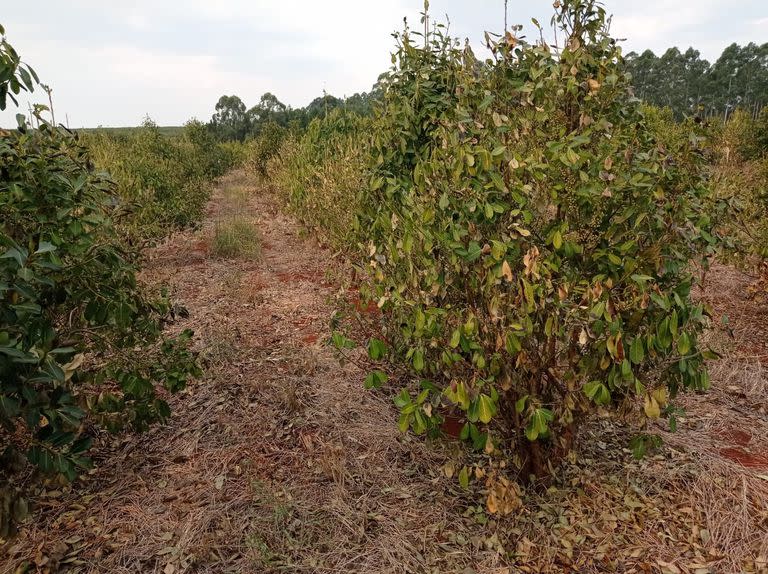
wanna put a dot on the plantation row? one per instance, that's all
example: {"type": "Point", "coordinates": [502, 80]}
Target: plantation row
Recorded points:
{"type": "Point", "coordinates": [531, 234]}
{"type": "Point", "coordinates": [81, 339]}
{"type": "Point", "coordinates": [528, 232]}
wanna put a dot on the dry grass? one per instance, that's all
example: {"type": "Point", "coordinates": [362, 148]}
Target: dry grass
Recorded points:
{"type": "Point", "coordinates": [234, 199]}
{"type": "Point", "coordinates": [235, 233]}
{"type": "Point", "coordinates": [236, 237]}
{"type": "Point", "coordinates": [279, 462]}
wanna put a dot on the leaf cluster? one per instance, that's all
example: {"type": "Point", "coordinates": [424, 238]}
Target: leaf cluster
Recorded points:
{"type": "Point", "coordinates": [530, 241]}
{"type": "Point", "coordinates": [81, 340]}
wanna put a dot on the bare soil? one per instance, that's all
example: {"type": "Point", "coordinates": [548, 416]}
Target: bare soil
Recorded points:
{"type": "Point", "coordinates": [277, 460]}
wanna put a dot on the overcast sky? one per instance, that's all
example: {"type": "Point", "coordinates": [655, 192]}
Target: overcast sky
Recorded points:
{"type": "Point", "coordinates": [112, 63]}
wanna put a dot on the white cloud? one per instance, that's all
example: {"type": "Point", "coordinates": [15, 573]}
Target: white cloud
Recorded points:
{"type": "Point", "coordinates": [660, 24]}
{"type": "Point", "coordinates": [122, 83]}
{"type": "Point", "coordinates": [110, 63]}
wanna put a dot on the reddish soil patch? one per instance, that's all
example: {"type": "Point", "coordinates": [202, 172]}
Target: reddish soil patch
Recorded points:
{"type": "Point", "coordinates": [735, 436]}
{"type": "Point", "coordinates": [730, 292]}
{"type": "Point", "coordinates": [310, 339]}
{"type": "Point", "coordinates": [366, 308]}
{"type": "Point", "coordinates": [369, 308]}
{"type": "Point", "coordinates": [200, 246]}
{"type": "Point", "coordinates": [745, 458]}
{"type": "Point", "coordinates": [294, 277]}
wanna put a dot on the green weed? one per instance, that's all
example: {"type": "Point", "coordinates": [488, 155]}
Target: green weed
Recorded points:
{"type": "Point", "coordinates": [236, 237]}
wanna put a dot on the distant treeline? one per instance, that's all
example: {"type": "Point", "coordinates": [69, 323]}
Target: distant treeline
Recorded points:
{"type": "Point", "coordinates": [689, 84]}
{"type": "Point", "coordinates": [233, 120]}
{"type": "Point", "coordinates": [166, 131]}
{"type": "Point", "coordinates": [682, 81]}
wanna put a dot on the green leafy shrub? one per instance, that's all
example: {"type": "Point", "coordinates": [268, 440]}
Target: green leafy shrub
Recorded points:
{"type": "Point", "coordinates": [761, 133]}
{"type": "Point", "coordinates": [203, 155]}
{"type": "Point", "coordinates": [530, 241]}
{"type": "Point", "coordinates": [533, 242]}
{"type": "Point", "coordinates": [739, 166]}
{"type": "Point", "coordinates": [322, 174]}
{"type": "Point", "coordinates": [744, 138]}
{"type": "Point", "coordinates": [163, 183]}
{"type": "Point", "coordinates": [69, 303]}
{"type": "Point", "coordinates": [666, 129]}
{"type": "Point", "coordinates": [81, 342]}
{"type": "Point", "coordinates": [262, 148]}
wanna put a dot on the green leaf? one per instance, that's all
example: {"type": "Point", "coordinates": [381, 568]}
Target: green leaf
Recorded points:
{"type": "Point", "coordinates": [18, 254]}
{"type": "Point", "coordinates": [45, 247]}
{"type": "Point", "coordinates": [663, 336]}
{"type": "Point", "coordinates": [473, 251]}
{"type": "Point", "coordinates": [464, 478]}
{"type": "Point", "coordinates": [403, 399]}
{"type": "Point", "coordinates": [375, 380]}
{"type": "Point", "coordinates": [598, 310]}
{"type": "Point", "coordinates": [418, 360]}
{"type": "Point", "coordinates": [626, 369]}
{"type": "Point", "coordinates": [673, 322]}
{"type": "Point", "coordinates": [597, 392]}
{"type": "Point", "coordinates": [529, 295]}
{"type": "Point", "coordinates": [638, 448]}
{"type": "Point", "coordinates": [341, 342]}
{"type": "Point", "coordinates": [486, 408]}
{"type": "Point", "coordinates": [376, 349]}
{"type": "Point", "coordinates": [637, 351]}
{"type": "Point", "coordinates": [538, 425]}
{"type": "Point", "coordinates": [418, 424]}
{"type": "Point", "coordinates": [641, 279]}
{"type": "Point", "coordinates": [460, 396]}
{"type": "Point", "coordinates": [513, 345]}
{"type": "Point", "coordinates": [684, 344]}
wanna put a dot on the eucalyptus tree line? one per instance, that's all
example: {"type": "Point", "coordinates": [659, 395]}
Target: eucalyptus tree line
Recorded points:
{"type": "Point", "coordinates": [687, 83]}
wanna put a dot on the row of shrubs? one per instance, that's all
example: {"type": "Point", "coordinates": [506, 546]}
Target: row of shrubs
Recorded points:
{"type": "Point", "coordinates": [163, 182]}
{"type": "Point", "coordinates": [737, 169]}
{"type": "Point", "coordinates": [528, 234]}
{"type": "Point", "coordinates": [740, 177]}
{"type": "Point", "coordinates": [82, 343]}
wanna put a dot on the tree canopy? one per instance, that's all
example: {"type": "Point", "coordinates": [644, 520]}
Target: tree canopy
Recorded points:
{"type": "Point", "coordinates": [234, 121]}
{"type": "Point", "coordinates": [688, 84]}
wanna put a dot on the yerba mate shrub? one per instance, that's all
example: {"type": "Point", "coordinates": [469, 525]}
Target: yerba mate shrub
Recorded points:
{"type": "Point", "coordinates": [81, 341]}
{"type": "Point", "coordinates": [163, 182]}
{"type": "Point", "coordinates": [322, 175]}
{"type": "Point", "coordinates": [530, 244]}
{"type": "Point", "coordinates": [263, 147]}
{"type": "Point", "coordinates": [740, 177]}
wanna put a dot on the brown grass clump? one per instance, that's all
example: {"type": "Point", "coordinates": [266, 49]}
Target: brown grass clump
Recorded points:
{"type": "Point", "coordinates": [236, 237]}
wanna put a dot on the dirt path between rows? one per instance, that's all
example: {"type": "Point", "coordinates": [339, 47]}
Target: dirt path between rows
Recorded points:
{"type": "Point", "coordinates": [278, 461]}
